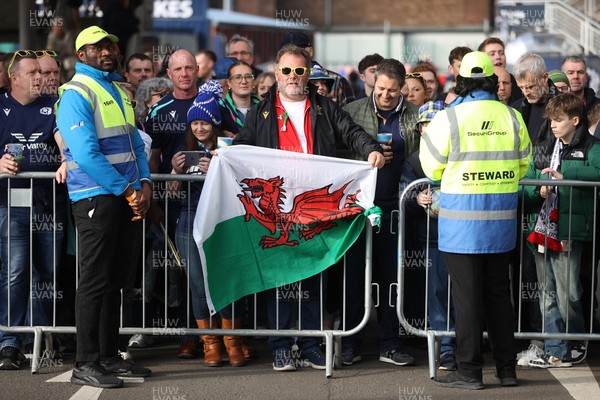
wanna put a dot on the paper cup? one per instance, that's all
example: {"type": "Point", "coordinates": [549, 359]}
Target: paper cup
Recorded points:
{"type": "Point", "coordinates": [384, 138]}
{"type": "Point", "coordinates": [225, 141]}
{"type": "Point", "coordinates": [15, 150]}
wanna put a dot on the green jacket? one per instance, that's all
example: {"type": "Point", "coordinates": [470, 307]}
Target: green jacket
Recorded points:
{"type": "Point", "coordinates": [364, 113]}
{"type": "Point", "coordinates": [580, 160]}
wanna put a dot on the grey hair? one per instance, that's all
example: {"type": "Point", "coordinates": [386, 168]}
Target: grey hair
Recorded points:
{"type": "Point", "coordinates": [239, 38]}
{"type": "Point", "coordinates": [529, 63]}
{"type": "Point", "coordinates": [144, 94]}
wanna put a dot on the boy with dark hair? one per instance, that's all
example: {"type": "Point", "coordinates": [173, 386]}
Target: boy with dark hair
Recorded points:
{"type": "Point", "coordinates": [366, 69]}
{"type": "Point", "coordinates": [562, 225]}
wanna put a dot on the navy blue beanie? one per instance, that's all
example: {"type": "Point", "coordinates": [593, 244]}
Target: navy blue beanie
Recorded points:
{"type": "Point", "coordinates": [206, 105]}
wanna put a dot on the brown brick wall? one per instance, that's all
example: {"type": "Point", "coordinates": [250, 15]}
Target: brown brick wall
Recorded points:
{"type": "Point", "coordinates": [371, 13]}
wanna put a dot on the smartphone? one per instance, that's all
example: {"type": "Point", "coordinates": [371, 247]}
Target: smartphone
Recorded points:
{"type": "Point", "coordinates": [192, 158]}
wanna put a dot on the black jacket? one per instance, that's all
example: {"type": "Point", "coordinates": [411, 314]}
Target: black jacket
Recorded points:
{"type": "Point", "coordinates": [330, 124]}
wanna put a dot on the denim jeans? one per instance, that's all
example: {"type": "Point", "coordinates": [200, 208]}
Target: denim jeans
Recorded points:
{"type": "Point", "coordinates": [560, 295]}
{"type": "Point", "coordinates": [30, 236]}
{"type": "Point", "coordinates": [282, 303]}
{"type": "Point", "coordinates": [437, 298]}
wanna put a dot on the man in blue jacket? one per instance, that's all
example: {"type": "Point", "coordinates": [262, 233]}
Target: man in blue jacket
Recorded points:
{"type": "Point", "coordinates": [109, 184]}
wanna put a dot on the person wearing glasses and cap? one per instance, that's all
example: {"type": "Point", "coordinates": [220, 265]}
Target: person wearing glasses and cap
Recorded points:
{"type": "Point", "coordinates": [295, 118]}
{"type": "Point", "coordinates": [479, 149]}
{"type": "Point", "coordinates": [109, 185]}
{"type": "Point", "coordinates": [27, 141]}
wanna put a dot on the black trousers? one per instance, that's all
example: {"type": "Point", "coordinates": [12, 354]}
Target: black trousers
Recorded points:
{"type": "Point", "coordinates": [106, 252]}
{"type": "Point", "coordinates": [481, 295]}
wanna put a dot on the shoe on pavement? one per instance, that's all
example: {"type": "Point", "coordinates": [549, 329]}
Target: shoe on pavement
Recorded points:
{"type": "Point", "coordinates": [447, 362]}
{"type": "Point", "coordinates": [314, 358]}
{"type": "Point", "coordinates": [118, 366]}
{"type": "Point", "coordinates": [459, 381]}
{"type": "Point", "coordinates": [396, 357]}
{"type": "Point", "coordinates": [578, 353]}
{"type": "Point", "coordinates": [532, 353]}
{"type": "Point", "coordinates": [139, 340]}
{"type": "Point", "coordinates": [188, 349]}
{"type": "Point", "coordinates": [349, 356]}
{"type": "Point", "coordinates": [549, 361]}
{"type": "Point", "coordinates": [283, 361]}
{"type": "Point", "coordinates": [11, 358]}
{"type": "Point", "coordinates": [507, 376]}
{"type": "Point", "coordinates": [93, 374]}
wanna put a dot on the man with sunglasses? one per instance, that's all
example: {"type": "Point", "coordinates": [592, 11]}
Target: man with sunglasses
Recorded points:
{"type": "Point", "coordinates": [27, 126]}
{"type": "Point", "coordinates": [295, 118]}
{"type": "Point", "coordinates": [110, 189]}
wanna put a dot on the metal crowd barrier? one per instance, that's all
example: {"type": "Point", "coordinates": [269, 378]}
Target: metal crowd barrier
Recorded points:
{"type": "Point", "coordinates": [434, 336]}
{"type": "Point", "coordinates": [331, 336]}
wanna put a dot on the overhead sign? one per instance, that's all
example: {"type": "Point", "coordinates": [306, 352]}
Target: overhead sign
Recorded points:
{"type": "Point", "coordinates": [180, 15]}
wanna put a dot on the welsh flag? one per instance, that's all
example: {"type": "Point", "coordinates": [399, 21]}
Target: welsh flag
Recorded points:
{"type": "Point", "coordinates": [267, 218]}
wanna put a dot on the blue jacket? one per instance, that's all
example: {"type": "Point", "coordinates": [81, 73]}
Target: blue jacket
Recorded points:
{"type": "Point", "coordinates": [96, 175]}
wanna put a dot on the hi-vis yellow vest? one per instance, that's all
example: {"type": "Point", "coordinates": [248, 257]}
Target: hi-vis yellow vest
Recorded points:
{"type": "Point", "coordinates": [114, 127]}
{"type": "Point", "coordinates": [479, 150]}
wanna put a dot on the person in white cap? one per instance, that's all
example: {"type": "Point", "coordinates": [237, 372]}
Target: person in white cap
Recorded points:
{"type": "Point", "coordinates": [110, 189]}
{"type": "Point", "coordinates": [479, 149]}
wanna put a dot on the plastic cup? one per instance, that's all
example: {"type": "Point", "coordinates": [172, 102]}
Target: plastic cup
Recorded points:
{"type": "Point", "coordinates": [15, 150]}
{"type": "Point", "coordinates": [225, 141]}
{"type": "Point", "coordinates": [384, 138]}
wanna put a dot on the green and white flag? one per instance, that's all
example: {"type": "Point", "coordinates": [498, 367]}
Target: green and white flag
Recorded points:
{"type": "Point", "coordinates": [267, 218]}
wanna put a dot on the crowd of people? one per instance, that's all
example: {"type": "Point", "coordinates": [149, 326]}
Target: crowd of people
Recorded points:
{"type": "Point", "coordinates": [113, 124]}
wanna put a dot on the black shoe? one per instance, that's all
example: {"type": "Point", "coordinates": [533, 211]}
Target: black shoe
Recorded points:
{"type": "Point", "coordinates": [117, 365]}
{"type": "Point", "coordinates": [93, 374]}
{"type": "Point", "coordinates": [507, 376]}
{"type": "Point", "coordinates": [11, 358]}
{"type": "Point", "coordinates": [456, 380]}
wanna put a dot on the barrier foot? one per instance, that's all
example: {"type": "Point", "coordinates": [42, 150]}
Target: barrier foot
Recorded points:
{"type": "Point", "coordinates": [37, 347]}
{"type": "Point", "coordinates": [337, 355]}
{"type": "Point", "coordinates": [328, 354]}
{"type": "Point", "coordinates": [431, 353]}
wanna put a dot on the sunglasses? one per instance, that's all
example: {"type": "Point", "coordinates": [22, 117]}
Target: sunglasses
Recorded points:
{"type": "Point", "coordinates": [25, 53]}
{"type": "Point", "coordinates": [134, 103]}
{"type": "Point", "coordinates": [298, 71]}
{"type": "Point", "coordinates": [414, 75]}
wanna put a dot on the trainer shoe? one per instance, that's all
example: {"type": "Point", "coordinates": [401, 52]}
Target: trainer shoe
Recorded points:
{"type": "Point", "coordinates": [93, 374]}
{"type": "Point", "coordinates": [396, 357]}
{"type": "Point", "coordinates": [447, 362]}
{"type": "Point", "coordinates": [532, 353]}
{"type": "Point", "coordinates": [11, 358]}
{"type": "Point", "coordinates": [456, 380]}
{"type": "Point", "coordinates": [549, 361]}
{"type": "Point", "coordinates": [578, 353]}
{"type": "Point", "coordinates": [283, 361]}
{"type": "Point", "coordinates": [314, 358]}
{"type": "Point", "coordinates": [507, 376]}
{"type": "Point", "coordinates": [118, 366]}
{"type": "Point", "coordinates": [139, 340]}
{"type": "Point", "coordinates": [349, 357]}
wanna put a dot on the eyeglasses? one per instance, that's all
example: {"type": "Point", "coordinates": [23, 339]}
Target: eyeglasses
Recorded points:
{"type": "Point", "coordinates": [159, 94]}
{"type": "Point", "coordinates": [239, 53]}
{"type": "Point", "coordinates": [298, 71]}
{"type": "Point", "coordinates": [414, 75]}
{"type": "Point", "coordinates": [42, 53]}
{"type": "Point", "coordinates": [238, 78]}
{"type": "Point", "coordinates": [134, 103]}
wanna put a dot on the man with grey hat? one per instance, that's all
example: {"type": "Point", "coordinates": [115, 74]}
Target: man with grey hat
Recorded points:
{"type": "Point", "coordinates": [110, 189]}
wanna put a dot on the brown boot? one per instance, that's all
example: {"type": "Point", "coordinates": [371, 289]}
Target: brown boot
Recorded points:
{"type": "Point", "coordinates": [212, 344]}
{"type": "Point", "coordinates": [249, 351]}
{"type": "Point", "coordinates": [233, 344]}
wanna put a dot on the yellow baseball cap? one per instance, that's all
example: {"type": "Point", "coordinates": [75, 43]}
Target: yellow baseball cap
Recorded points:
{"type": "Point", "coordinates": [479, 60]}
{"type": "Point", "coordinates": [92, 35]}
